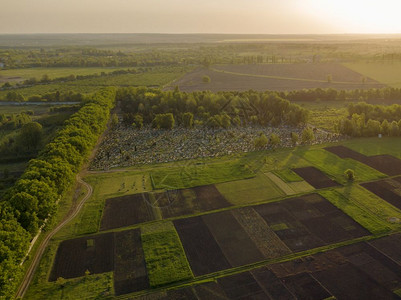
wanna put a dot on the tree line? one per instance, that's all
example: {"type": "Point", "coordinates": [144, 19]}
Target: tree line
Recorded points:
{"type": "Point", "coordinates": [33, 198]}
{"type": "Point", "coordinates": [222, 109]}
{"type": "Point", "coordinates": [370, 120]}
{"type": "Point", "coordinates": [318, 94]}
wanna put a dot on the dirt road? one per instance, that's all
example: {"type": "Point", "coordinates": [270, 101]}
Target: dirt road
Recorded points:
{"type": "Point", "coordinates": [39, 252]}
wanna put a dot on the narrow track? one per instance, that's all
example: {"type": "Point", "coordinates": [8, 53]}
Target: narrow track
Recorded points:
{"type": "Point", "coordinates": [39, 252]}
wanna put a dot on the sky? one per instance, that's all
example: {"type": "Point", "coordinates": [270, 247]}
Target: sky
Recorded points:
{"type": "Point", "coordinates": [201, 16]}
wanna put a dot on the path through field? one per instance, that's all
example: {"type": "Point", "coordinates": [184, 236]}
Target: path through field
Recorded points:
{"type": "Point", "coordinates": [39, 253]}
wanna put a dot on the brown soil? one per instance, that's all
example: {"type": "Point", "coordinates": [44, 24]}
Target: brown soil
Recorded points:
{"type": "Point", "coordinates": [233, 240]}
{"type": "Point", "coordinates": [288, 77]}
{"type": "Point", "coordinates": [203, 252]}
{"type": "Point", "coordinates": [315, 177]}
{"type": "Point", "coordinates": [92, 253]}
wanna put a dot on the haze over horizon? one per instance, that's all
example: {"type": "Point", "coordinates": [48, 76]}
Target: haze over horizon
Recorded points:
{"type": "Point", "coordinates": [183, 16]}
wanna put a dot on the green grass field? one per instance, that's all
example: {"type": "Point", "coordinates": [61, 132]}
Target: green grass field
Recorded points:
{"type": "Point", "coordinates": [165, 258]}
{"type": "Point", "coordinates": [157, 77]}
{"type": "Point", "coordinates": [288, 175]}
{"type": "Point", "coordinates": [335, 167]}
{"type": "Point", "coordinates": [369, 211]}
{"type": "Point", "coordinates": [387, 73]}
{"type": "Point", "coordinates": [98, 286]}
{"type": "Point", "coordinates": [257, 189]}
{"type": "Point", "coordinates": [187, 174]}
{"type": "Point", "coordinates": [54, 72]}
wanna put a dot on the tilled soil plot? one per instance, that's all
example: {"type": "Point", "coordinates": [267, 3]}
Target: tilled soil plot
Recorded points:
{"type": "Point", "coordinates": [276, 77]}
{"type": "Point", "coordinates": [390, 246]}
{"type": "Point", "coordinates": [233, 240]}
{"type": "Point", "coordinates": [384, 190]}
{"type": "Point", "coordinates": [125, 211]}
{"type": "Point", "coordinates": [304, 286]}
{"type": "Point", "coordinates": [315, 177]}
{"type": "Point", "coordinates": [139, 208]}
{"type": "Point", "coordinates": [197, 199]}
{"type": "Point", "coordinates": [308, 222]}
{"type": "Point", "coordinates": [261, 234]}
{"type": "Point", "coordinates": [203, 252]}
{"type": "Point", "coordinates": [74, 257]}
{"type": "Point", "coordinates": [348, 272]}
{"type": "Point", "coordinates": [130, 274]}
{"type": "Point", "coordinates": [386, 164]}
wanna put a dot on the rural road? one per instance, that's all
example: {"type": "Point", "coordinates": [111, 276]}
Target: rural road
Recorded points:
{"type": "Point", "coordinates": [39, 252]}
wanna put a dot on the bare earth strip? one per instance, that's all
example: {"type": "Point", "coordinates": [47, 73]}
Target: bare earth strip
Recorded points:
{"type": "Point", "coordinates": [280, 183]}
{"type": "Point", "coordinates": [268, 243]}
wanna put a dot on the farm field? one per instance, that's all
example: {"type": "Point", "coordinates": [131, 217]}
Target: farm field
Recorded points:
{"type": "Point", "coordinates": [157, 77]}
{"type": "Point", "coordinates": [52, 72]}
{"type": "Point", "coordinates": [277, 77]}
{"type": "Point", "coordinates": [320, 276]}
{"type": "Point", "coordinates": [257, 233]}
{"type": "Point", "coordinates": [385, 72]}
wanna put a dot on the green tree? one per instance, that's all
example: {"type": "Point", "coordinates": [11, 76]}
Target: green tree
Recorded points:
{"type": "Point", "coordinates": [274, 140]}
{"type": "Point", "coordinates": [385, 127]}
{"type": "Point", "coordinates": [261, 141]}
{"type": "Point", "coordinates": [350, 174]}
{"type": "Point", "coordinates": [31, 136]}
{"type": "Point", "coordinates": [114, 121]}
{"type": "Point", "coordinates": [187, 119]}
{"type": "Point", "coordinates": [394, 130]}
{"type": "Point", "coordinates": [307, 135]}
{"type": "Point", "coordinates": [206, 79]}
{"type": "Point", "coordinates": [138, 121]}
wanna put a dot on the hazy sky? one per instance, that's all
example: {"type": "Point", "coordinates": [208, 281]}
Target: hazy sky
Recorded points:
{"type": "Point", "coordinates": [200, 16]}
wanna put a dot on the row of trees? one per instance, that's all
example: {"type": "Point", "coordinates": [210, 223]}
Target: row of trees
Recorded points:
{"type": "Point", "coordinates": [33, 198]}
{"type": "Point", "coordinates": [370, 120]}
{"type": "Point", "coordinates": [375, 112]}
{"type": "Point", "coordinates": [14, 121]}
{"type": "Point", "coordinates": [221, 109]}
{"type": "Point", "coordinates": [358, 126]}
{"type": "Point", "coordinates": [70, 96]}
{"type": "Point", "coordinates": [383, 94]}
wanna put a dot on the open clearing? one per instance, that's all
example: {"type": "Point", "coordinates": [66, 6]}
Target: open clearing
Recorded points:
{"type": "Point", "coordinates": [277, 77]}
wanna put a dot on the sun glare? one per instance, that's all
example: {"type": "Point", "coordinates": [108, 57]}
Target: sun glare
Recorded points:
{"type": "Point", "coordinates": [364, 16]}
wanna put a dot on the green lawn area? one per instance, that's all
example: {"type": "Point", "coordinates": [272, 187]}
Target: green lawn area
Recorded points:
{"type": "Point", "coordinates": [387, 73]}
{"type": "Point", "coordinates": [120, 183]}
{"type": "Point", "coordinates": [334, 166]}
{"type": "Point", "coordinates": [165, 257]}
{"type": "Point", "coordinates": [257, 189]}
{"type": "Point", "coordinates": [97, 286]}
{"type": "Point", "coordinates": [186, 174]}
{"type": "Point", "coordinates": [365, 208]}
{"type": "Point", "coordinates": [288, 175]}
{"type": "Point", "coordinates": [284, 159]}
